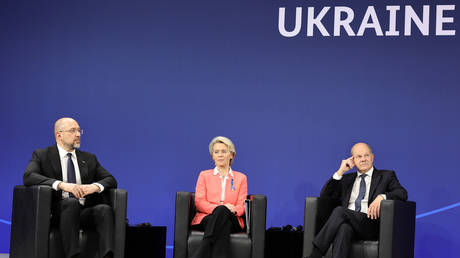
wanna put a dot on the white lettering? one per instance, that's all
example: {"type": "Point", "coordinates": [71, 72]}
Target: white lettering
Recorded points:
{"type": "Point", "coordinates": [375, 24]}
{"type": "Point", "coordinates": [440, 20]}
{"type": "Point", "coordinates": [343, 19]}
{"type": "Point", "coordinates": [392, 25]}
{"type": "Point", "coordinates": [311, 20]}
{"type": "Point", "coordinates": [282, 22]}
{"type": "Point", "coordinates": [424, 26]}
{"type": "Point", "coordinates": [343, 23]}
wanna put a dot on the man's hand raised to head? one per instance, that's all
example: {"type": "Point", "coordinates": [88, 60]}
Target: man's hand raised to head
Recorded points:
{"type": "Point", "coordinates": [346, 165]}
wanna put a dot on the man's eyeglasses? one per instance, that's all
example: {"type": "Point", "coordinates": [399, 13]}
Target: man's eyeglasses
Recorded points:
{"type": "Point", "coordinates": [365, 156]}
{"type": "Point", "coordinates": [73, 131]}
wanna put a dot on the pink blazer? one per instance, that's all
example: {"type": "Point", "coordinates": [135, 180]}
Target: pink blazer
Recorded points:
{"type": "Point", "coordinates": [209, 189]}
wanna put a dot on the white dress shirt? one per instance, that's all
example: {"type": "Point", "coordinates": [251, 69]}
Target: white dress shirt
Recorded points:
{"type": "Point", "coordinates": [64, 159]}
{"type": "Point", "coordinates": [223, 181]}
{"type": "Point", "coordinates": [355, 190]}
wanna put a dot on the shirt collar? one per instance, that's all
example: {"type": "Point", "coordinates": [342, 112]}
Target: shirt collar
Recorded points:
{"type": "Point", "coordinates": [216, 172]}
{"type": "Point", "coordinates": [63, 153]}
{"type": "Point", "coordinates": [369, 172]}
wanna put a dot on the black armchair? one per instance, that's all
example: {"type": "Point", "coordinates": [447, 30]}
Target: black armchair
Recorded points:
{"type": "Point", "coordinates": [248, 244]}
{"type": "Point", "coordinates": [397, 229]}
{"type": "Point", "coordinates": [33, 237]}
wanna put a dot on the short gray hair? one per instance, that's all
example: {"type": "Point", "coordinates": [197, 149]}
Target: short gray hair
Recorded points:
{"type": "Point", "coordinates": [368, 146]}
{"type": "Point", "coordinates": [227, 142]}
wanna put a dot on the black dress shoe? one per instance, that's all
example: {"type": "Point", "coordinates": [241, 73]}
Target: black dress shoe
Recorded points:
{"type": "Point", "coordinates": [109, 255]}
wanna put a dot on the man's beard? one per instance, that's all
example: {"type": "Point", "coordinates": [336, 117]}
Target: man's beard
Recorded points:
{"type": "Point", "coordinates": [76, 145]}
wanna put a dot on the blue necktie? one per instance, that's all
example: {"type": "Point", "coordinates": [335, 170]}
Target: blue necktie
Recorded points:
{"type": "Point", "coordinates": [362, 192]}
{"type": "Point", "coordinates": [71, 178]}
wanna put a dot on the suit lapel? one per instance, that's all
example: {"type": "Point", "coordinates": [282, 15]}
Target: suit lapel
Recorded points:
{"type": "Point", "coordinates": [348, 186]}
{"type": "Point", "coordinates": [376, 177]}
{"type": "Point", "coordinates": [83, 167]}
{"type": "Point", "coordinates": [53, 155]}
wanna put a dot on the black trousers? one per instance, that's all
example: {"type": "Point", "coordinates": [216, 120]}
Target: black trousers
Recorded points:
{"type": "Point", "coordinates": [341, 228]}
{"type": "Point", "coordinates": [217, 228]}
{"type": "Point", "coordinates": [71, 216]}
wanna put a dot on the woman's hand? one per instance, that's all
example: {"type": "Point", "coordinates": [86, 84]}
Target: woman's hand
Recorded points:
{"type": "Point", "coordinates": [230, 207]}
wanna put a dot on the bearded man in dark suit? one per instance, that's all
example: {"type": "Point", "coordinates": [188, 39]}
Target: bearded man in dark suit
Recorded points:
{"type": "Point", "coordinates": [360, 194]}
{"type": "Point", "coordinates": [77, 178]}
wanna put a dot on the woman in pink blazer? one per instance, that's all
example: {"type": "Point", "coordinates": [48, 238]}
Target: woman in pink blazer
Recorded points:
{"type": "Point", "coordinates": [219, 201]}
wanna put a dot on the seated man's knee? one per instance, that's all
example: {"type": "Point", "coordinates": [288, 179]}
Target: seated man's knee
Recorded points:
{"type": "Point", "coordinates": [338, 211]}
{"type": "Point", "coordinates": [103, 210]}
{"type": "Point", "coordinates": [70, 203]}
{"type": "Point", "coordinates": [346, 228]}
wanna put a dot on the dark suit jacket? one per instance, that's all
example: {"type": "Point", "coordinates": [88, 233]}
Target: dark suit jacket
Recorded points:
{"type": "Point", "coordinates": [383, 182]}
{"type": "Point", "coordinates": [45, 168]}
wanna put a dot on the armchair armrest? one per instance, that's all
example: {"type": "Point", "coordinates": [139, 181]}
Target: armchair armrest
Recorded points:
{"type": "Point", "coordinates": [117, 199]}
{"type": "Point", "coordinates": [311, 208]}
{"type": "Point", "coordinates": [317, 211]}
{"type": "Point", "coordinates": [30, 221]}
{"type": "Point", "coordinates": [258, 215]}
{"type": "Point", "coordinates": [397, 229]}
{"type": "Point", "coordinates": [181, 224]}
{"type": "Point", "coordinates": [247, 212]}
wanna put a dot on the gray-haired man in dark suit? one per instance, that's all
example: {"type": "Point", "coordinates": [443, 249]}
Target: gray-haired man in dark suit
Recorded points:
{"type": "Point", "coordinates": [360, 194]}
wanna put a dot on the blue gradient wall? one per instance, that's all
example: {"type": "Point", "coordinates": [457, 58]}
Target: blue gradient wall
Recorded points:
{"type": "Point", "coordinates": [152, 82]}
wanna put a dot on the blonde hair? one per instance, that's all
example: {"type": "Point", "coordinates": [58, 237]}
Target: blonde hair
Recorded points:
{"type": "Point", "coordinates": [227, 142]}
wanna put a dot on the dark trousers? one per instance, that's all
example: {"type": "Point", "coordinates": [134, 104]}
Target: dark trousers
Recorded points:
{"type": "Point", "coordinates": [71, 216]}
{"type": "Point", "coordinates": [341, 228]}
{"type": "Point", "coordinates": [217, 229]}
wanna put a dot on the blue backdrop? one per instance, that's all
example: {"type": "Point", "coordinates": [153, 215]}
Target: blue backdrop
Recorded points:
{"type": "Point", "coordinates": [152, 82]}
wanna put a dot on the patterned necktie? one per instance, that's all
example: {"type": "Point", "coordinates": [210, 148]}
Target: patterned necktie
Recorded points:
{"type": "Point", "coordinates": [362, 192]}
{"type": "Point", "coordinates": [71, 178]}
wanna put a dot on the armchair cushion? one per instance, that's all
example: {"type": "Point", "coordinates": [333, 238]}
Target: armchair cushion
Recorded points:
{"type": "Point", "coordinates": [240, 243]}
